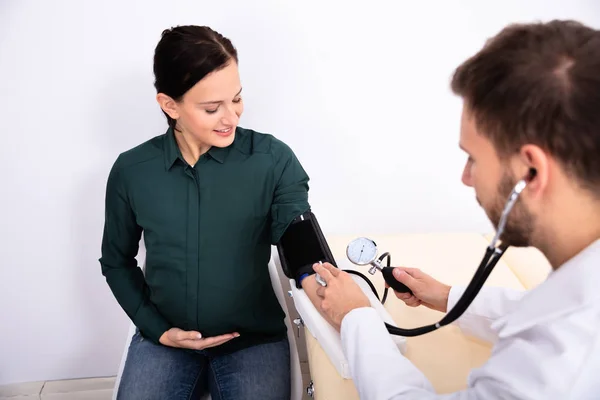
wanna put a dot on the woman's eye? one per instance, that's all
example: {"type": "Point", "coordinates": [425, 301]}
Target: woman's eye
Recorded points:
{"type": "Point", "coordinates": [212, 111]}
{"type": "Point", "coordinates": [237, 100]}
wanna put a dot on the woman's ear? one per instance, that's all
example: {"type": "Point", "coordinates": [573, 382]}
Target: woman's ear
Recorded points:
{"type": "Point", "coordinates": [168, 105]}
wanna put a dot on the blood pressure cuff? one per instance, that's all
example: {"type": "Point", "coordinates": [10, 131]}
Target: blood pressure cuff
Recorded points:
{"type": "Point", "coordinates": [301, 246]}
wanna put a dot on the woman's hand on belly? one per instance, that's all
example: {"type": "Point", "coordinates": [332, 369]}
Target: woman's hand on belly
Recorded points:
{"type": "Point", "coordinates": [176, 337]}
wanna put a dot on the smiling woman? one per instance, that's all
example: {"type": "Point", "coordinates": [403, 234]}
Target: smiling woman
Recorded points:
{"type": "Point", "coordinates": [211, 198]}
{"type": "Point", "coordinates": [199, 88]}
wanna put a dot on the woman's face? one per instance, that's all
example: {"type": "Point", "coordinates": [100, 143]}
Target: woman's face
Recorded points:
{"type": "Point", "coordinates": [210, 111]}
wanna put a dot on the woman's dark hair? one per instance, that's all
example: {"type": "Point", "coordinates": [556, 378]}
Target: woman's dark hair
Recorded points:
{"type": "Point", "coordinates": [186, 54]}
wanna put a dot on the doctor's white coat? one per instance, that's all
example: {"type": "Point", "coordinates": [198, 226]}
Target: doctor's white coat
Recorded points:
{"type": "Point", "coordinates": [546, 342]}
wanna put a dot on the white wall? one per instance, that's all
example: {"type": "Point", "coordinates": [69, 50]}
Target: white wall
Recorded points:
{"type": "Point", "coordinates": [360, 93]}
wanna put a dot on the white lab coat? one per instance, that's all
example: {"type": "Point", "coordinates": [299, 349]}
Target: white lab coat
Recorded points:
{"type": "Point", "coordinates": [546, 342]}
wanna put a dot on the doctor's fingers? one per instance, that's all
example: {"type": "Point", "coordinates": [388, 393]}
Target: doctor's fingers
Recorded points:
{"type": "Point", "coordinates": [414, 272]}
{"type": "Point", "coordinates": [321, 269]}
{"type": "Point", "coordinates": [333, 270]}
{"type": "Point", "coordinates": [412, 302]}
{"type": "Point", "coordinates": [403, 296]}
{"type": "Point", "coordinates": [321, 291]}
{"type": "Point", "coordinates": [324, 272]}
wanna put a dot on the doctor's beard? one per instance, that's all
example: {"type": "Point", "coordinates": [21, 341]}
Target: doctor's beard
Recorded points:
{"type": "Point", "coordinates": [520, 221]}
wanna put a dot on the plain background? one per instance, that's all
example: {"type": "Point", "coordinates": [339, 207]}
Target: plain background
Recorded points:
{"type": "Point", "coordinates": [359, 90]}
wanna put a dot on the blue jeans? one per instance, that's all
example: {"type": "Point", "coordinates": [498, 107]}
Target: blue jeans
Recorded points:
{"type": "Point", "coordinates": [158, 372]}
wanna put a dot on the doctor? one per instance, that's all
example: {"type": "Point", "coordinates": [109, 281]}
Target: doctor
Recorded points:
{"type": "Point", "coordinates": [531, 101]}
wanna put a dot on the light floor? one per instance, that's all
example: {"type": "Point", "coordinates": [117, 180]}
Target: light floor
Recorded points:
{"type": "Point", "coordinates": [76, 389]}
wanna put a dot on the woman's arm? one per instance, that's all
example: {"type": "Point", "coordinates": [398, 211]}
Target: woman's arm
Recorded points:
{"type": "Point", "coordinates": [120, 245]}
{"type": "Point", "coordinates": [290, 198]}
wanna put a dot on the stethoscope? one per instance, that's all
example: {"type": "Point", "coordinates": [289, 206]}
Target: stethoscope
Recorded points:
{"type": "Point", "coordinates": [363, 251]}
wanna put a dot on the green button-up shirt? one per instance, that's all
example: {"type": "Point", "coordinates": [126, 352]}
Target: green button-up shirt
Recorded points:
{"type": "Point", "coordinates": [208, 231]}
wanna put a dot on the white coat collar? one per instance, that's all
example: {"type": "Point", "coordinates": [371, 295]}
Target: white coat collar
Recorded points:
{"type": "Point", "coordinates": [574, 285]}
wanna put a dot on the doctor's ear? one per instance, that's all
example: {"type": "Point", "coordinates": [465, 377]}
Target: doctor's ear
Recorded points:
{"type": "Point", "coordinates": [534, 164]}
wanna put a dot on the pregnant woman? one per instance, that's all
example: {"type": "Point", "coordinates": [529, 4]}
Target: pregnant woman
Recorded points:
{"type": "Point", "coordinates": [210, 198]}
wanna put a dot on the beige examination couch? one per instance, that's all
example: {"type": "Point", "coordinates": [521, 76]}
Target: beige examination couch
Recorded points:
{"type": "Point", "coordinates": [445, 356]}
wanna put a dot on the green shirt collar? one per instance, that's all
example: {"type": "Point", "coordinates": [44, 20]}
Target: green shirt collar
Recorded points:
{"type": "Point", "coordinates": [220, 153]}
{"type": "Point", "coordinates": [172, 151]}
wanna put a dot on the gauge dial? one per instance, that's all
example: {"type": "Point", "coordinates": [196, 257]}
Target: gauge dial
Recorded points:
{"type": "Point", "coordinates": [362, 251]}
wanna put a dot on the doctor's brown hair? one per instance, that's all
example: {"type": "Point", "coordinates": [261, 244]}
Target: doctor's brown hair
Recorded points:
{"type": "Point", "coordinates": [539, 84]}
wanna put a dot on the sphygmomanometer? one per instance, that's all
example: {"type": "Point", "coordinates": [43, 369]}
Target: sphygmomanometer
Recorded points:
{"type": "Point", "coordinates": [303, 244]}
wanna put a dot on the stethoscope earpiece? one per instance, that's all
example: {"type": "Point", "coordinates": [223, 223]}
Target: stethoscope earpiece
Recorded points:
{"type": "Point", "coordinates": [532, 174]}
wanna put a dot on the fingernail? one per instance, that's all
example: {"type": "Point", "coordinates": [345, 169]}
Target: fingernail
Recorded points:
{"type": "Point", "coordinates": [397, 273]}
{"type": "Point", "coordinates": [199, 336]}
{"type": "Point", "coordinates": [236, 335]}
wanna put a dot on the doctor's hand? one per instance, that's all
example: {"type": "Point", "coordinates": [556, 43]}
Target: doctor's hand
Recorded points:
{"type": "Point", "coordinates": [426, 290]}
{"type": "Point", "coordinates": [340, 296]}
{"type": "Point", "coordinates": [176, 337]}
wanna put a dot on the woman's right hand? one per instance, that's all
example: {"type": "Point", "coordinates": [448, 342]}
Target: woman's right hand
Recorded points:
{"type": "Point", "coordinates": [426, 290]}
{"type": "Point", "coordinates": [176, 337]}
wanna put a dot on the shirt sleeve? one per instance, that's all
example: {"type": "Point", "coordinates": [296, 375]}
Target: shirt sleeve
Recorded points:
{"type": "Point", "coordinates": [490, 304]}
{"type": "Point", "coordinates": [290, 198]}
{"type": "Point", "coordinates": [120, 245]}
{"type": "Point", "coordinates": [380, 372]}
{"type": "Point", "coordinates": [378, 369]}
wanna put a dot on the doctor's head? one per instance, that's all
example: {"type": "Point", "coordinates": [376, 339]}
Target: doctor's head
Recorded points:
{"type": "Point", "coordinates": [531, 100]}
{"type": "Point", "coordinates": [198, 84]}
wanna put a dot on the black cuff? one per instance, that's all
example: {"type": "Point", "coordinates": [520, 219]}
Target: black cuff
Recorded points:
{"type": "Point", "coordinates": [301, 246]}
{"type": "Point", "coordinates": [303, 273]}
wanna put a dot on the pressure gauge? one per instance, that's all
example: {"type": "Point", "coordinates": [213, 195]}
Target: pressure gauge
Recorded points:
{"type": "Point", "coordinates": [363, 251]}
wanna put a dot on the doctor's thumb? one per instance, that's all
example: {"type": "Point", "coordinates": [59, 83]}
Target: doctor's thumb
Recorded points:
{"type": "Point", "coordinates": [404, 277]}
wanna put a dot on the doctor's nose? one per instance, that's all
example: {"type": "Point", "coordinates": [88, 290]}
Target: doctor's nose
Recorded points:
{"type": "Point", "coordinates": [467, 179]}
